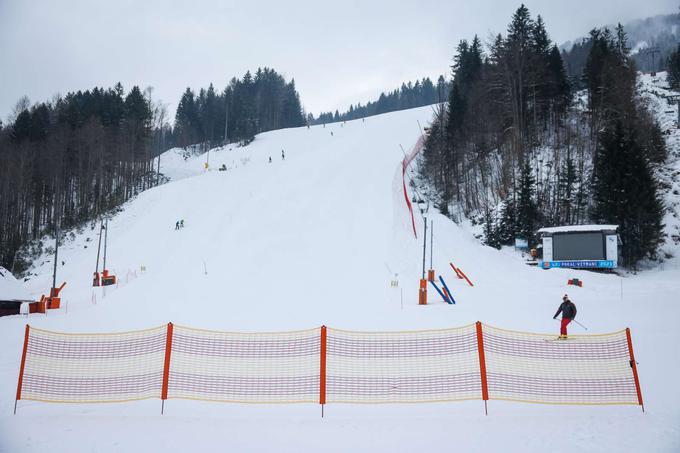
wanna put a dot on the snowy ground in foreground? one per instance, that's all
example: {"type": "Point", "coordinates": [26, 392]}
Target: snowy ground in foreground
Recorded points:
{"type": "Point", "coordinates": [308, 241]}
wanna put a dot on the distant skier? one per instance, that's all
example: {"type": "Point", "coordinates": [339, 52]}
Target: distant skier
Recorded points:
{"type": "Point", "coordinates": [270, 159]}
{"type": "Point", "coordinates": [283, 155]}
{"type": "Point", "coordinates": [177, 225]}
{"type": "Point", "coordinates": [331, 133]}
{"type": "Point", "coordinates": [568, 310]}
{"type": "Point", "coordinates": [181, 223]}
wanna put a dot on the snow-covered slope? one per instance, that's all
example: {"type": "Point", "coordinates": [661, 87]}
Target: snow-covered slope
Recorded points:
{"type": "Point", "coordinates": [315, 239]}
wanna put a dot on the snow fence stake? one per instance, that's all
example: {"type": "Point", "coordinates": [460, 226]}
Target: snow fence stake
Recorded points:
{"type": "Point", "coordinates": [322, 369]}
{"type": "Point", "coordinates": [633, 365]}
{"type": "Point", "coordinates": [482, 366]}
{"type": "Point", "coordinates": [21, 369]}
{"type": "Point", "coordinates": [166, 367]}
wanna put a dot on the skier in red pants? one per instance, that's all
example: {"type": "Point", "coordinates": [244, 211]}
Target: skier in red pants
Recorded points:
{"type": "Point", "coordinates": [568, 310]}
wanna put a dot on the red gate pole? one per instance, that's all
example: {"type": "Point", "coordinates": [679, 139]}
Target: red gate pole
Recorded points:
{"type": "Point", "coordinates": [166, 367]}
{"type": "Point", "coordinates": [633, 365]}
{"type": "Point", "coordinates": [322, 370]}
{"type": "Point", "coordinates": [482, 365]}
{"type": "Point", "coordinates": [455, 269]}
{"type": "Point", "coordinates": [465, 277]}
{"type": "Point", "coordinates": [21, 370]}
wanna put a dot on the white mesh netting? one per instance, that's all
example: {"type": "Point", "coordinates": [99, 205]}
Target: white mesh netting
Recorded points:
{"type": "Point", "coordinates": [584, 369]}
{"type": "Point", "coordinates": [90, 368]}
{"type": "Point", "coordinates": [393, 367]}
{"type": "Point", "coordinates": [245, 367]}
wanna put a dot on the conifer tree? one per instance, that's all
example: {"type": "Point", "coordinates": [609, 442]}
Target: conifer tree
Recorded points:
{"type": "Point", "coordinates": [673, 68]}
{"type": "Point", "coordinates": [507, 225]}
{"type": "Point", "coordinates": [527, 211]}
{"type": "Point", "coordinates": [625, 193]}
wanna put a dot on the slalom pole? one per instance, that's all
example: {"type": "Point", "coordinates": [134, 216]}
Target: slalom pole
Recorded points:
{"type": "Point", "coordinates": [99, 246]}
{"type": "Point", "coordinates": [424, 245]}
{"type": "Point", "coordinates": [106, 237]}
{"type": "Point", "coordinates": [431, 242]}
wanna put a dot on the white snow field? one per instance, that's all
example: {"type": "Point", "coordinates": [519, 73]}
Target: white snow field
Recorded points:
{"type": "Point", "coordinates": [308, 241]}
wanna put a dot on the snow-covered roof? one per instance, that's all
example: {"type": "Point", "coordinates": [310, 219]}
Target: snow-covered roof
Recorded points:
{"type": "Point", "coordinates": [10, 287]}
{"type": "Point", "coordinates": [577, 229]}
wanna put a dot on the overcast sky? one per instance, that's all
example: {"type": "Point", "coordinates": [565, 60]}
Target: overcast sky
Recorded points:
{"type": "Point", "coordinates": [339, 52]}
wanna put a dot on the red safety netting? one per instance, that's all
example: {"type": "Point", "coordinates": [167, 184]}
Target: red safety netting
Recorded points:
{"type": "Point", "coordinates": [404, 165]}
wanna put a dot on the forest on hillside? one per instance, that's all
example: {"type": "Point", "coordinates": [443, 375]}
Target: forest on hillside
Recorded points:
{"type": "Point", "coordinates": [247, 106]}
{"type": "Point", "coordinates": [410, 95]}
{"type": "Point", "coordinates": [519, 146]}
{"type": "Point", "coordinates": [71, 160]}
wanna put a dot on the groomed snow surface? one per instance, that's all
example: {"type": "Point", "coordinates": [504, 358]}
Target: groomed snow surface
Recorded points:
{"type": "Point", "coordinates": [309, 241]}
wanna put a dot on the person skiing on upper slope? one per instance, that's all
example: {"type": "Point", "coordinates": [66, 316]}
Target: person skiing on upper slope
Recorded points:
{"type": "Point", "coordinates": [568, 310]}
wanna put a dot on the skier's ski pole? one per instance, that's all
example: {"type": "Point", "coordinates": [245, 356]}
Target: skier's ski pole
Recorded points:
{"type": "Point", "coordinates": [580, 324]}
{"type": "Point", "coordinates": [559, 320]}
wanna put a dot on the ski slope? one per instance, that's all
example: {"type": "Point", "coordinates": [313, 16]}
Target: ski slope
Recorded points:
{"type": "Point", "coordinates": [315, 239]}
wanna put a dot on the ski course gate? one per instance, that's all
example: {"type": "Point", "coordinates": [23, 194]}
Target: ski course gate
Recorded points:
{"type": "Point", "coordinates": [326, 365]}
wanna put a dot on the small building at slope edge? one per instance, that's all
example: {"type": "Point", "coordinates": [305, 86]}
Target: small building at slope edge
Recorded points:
{"type": "Point", "coordinates": [580, 246]}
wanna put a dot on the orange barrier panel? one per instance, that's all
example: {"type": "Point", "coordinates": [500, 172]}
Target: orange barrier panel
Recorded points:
{"type": "Point", "coordinates": [422, 292]}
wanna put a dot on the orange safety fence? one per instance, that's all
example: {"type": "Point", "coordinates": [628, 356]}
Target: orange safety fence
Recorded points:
{"type": "Point", "coordinates": [326, 365]}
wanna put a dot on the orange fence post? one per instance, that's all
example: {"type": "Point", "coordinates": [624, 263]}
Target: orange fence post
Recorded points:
{"type": "Point", "coordinates": [322, 369]}
{"type": "Point", "coordinates": [482, 365]}
{"type": "Point", "coordinates": [21, 369]}
{"type": "Point", "coordinates": [633, 365]}
{"type": "Point", "coordinates": [166, 367]}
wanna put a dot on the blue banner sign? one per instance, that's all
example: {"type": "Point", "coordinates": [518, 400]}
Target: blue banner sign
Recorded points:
{"type": "Point", "coordinates": [590, 264]}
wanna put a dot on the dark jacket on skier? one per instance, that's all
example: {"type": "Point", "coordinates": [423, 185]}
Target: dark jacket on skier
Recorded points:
{"type": "Point", "coordinates": [567, 308]}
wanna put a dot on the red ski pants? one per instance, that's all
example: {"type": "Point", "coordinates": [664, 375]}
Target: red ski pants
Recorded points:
{"type": "Point", "coordinates": [563, 326]}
